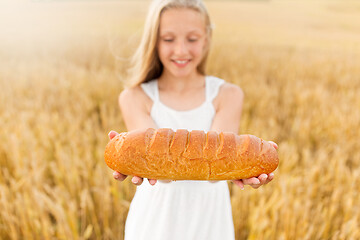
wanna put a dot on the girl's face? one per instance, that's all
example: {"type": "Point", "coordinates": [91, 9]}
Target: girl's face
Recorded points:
{"type": "Point", "coordinates": [182, 41]}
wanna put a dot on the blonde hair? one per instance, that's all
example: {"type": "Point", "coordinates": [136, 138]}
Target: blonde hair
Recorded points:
{"type": "Point", "coordinates": [146, 64]}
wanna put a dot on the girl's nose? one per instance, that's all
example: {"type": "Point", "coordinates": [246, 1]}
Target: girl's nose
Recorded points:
{"type": "Point", "coordinates": [180, 48]}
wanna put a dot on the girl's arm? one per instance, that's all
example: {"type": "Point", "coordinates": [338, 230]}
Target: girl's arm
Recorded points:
{"type": "Point", "coordinates": [135, 108]}
{"type": "Point", "coordinates": [228, 105]}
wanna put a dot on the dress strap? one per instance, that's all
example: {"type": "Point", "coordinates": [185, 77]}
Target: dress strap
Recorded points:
{"type": "Point", "coordinates": [151, 89]}
{"type": "Point", "coordinates": [213, 85]}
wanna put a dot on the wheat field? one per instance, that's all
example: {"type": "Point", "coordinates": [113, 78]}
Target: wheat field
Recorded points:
{"type": "Point", "coordinates": [63, 64]}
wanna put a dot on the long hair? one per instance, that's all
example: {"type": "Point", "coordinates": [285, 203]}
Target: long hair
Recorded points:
{"type": "Point", "coordinates": [146, 64]}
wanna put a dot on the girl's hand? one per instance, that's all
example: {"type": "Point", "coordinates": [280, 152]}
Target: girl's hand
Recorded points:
{"type": "Point", "coordinates": [256, 182]}
{"type": "Point", "coordinates": [121, 177]}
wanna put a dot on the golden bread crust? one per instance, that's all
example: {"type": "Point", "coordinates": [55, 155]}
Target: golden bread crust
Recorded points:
{"type": "Point", "coordinates": [182, 155]}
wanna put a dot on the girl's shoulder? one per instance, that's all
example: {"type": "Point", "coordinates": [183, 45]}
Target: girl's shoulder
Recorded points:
{"type": "Point", "coordinates": [228, 95]}
{"type": "Point", "coordinates": [226, 87]}
{"type": "Point", "coordinates": [131, 94]}
{"type": "Point", "coordinates": [135, 110]}
{"type": "Point", "coordinates": [231, 89]}
{"type": "Point", "coordinates": [134, 97]}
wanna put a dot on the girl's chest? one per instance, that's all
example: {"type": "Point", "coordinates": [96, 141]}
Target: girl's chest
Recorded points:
{"type": "Point", "coordinates": [183, 102]}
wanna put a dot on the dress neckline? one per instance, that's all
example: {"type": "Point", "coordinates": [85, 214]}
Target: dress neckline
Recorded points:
{"type": "Point", "coordinates": [182, 111]}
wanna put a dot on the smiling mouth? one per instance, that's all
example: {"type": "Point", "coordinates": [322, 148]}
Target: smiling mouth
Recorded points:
{"type": "Point", "coordinates": [181, 63]}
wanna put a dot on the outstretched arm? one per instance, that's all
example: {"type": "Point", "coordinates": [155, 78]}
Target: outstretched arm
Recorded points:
{"type": "Point", "coordinates": [228, 105]}
{"type": "Point", "coordinates": [135, 113]}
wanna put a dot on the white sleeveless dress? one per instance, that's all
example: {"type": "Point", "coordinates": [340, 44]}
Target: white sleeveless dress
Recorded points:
{"type": "Point", "coordinates": [181, 210]}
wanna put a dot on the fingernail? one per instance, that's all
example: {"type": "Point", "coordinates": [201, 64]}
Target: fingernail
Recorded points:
{"type": "Point", "coordinates": [135, 181]}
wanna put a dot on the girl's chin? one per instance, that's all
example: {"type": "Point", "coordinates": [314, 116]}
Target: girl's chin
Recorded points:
{"type": "Point", "coordinates": [183, 72]}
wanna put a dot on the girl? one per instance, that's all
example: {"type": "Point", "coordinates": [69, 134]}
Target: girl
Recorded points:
{"type": "Point", "coordinates": [171, 90]}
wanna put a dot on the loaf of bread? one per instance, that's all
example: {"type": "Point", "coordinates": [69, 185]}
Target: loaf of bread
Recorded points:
{"type": "Point", "coordinates": [182, 155]}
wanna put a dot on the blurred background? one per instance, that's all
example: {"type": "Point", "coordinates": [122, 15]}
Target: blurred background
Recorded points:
{"type": "Point", "coordinates": [63, 64]}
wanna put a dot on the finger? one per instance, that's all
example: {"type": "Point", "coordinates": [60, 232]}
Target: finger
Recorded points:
{"type": "Point", "coordinates": [274, 144]}
{"type": "Point", "coordinates": [270, 177]}
{"type": "Point", "coordinates": [137, 180]}
{"type": "Point", "coordinates": [119, 176]}
{"type": "Point", "coordinates": [263, 178]}
{"type": "Point", "coordinates": [255, 186]}
{"type": "Point", "coordinates": [239, 183]}
{"type": "Point", "coordinates": [112, 134]}
{"type": "Point", "coordinates": [152, 181]}
{"type": "Point", "coordinates": [251, 181]}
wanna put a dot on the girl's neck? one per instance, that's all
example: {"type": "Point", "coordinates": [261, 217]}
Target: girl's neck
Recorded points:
{"type": "Point", "coordinates": [169, 82]}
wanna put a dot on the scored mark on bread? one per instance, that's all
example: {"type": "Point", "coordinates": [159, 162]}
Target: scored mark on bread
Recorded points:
{"type": "Point", "coordinates": [184, 149]}
{"type": "Point", "coordinates": [171, 137]}
{"type": "Point", "coordinates": [220, 138]}
{"type": "Point", "coordinates": [206, 144]}
{"type": "Point", "coordinates": [173, 141]}
{"type": "Point", "coordinates": [153, 137]}
{"type": "Point", "coordinates": [120, 140]}
{"type": "Point", "coordinates": [149, 139]}
{"type": "Point", "coordinates": [187, 143]}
